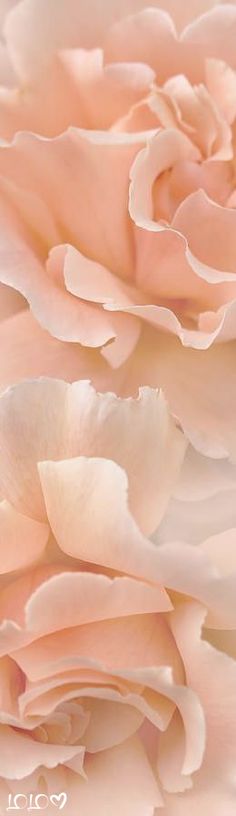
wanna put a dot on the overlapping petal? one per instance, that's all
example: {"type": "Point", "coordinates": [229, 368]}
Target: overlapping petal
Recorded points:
{"type": "Point", "coordinates": [117, 512]}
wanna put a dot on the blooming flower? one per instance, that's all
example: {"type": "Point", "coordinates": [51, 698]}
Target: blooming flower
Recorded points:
{"type": "Point", "coordinates": [108, 641]}
{"type": "Point", "coordinates": [117, 466]}
{"type": "Point", "coordinates": [120, 230]}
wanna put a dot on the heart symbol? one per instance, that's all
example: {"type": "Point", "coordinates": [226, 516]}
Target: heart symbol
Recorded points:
{"type": "Point", "coordinates": [59, 800]}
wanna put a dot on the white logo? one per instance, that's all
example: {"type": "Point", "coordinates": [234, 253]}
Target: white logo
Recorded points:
{"type": "Point", "coordinates": [40, 801]}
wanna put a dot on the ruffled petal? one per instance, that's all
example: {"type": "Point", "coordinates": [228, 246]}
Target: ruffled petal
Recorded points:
{"type": "Point", "coordinates": [79, 422]}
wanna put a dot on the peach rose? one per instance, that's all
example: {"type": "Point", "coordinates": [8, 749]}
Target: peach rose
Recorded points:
{"type": "Point", "coordinates": [117, 680]}
{"type": "Point", "coordinates": [120, 231]}
{"type": "Point", "coordinates": [117, 513]}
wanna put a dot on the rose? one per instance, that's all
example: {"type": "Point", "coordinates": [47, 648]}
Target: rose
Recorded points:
{"type": "Point", "coordinates": [152, 287]}
{"type": "Point", "coordinates": [117, 633]}
{"type": "Point", "coordinates": [104, 668]}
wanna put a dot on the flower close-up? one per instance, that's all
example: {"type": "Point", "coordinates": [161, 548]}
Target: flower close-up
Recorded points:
{"type": "Point", "coordinates": [117, 198]}
{"type": "Point", "coordinates": [117, 407]}
{"type": "Point", "coordinates": [109, 636]}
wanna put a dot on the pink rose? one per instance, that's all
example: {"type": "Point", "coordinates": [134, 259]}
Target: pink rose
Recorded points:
{"type": "Point", "coordinates": [116, 677]}
{"type": "Point", "coordinates": [120, 231]}
{"type": "Point", "coordinates": [117, 508]}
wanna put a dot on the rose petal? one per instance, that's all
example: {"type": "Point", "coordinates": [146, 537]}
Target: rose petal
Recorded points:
{"type": "Point", "coordinates": [138, 434]}
{"type": "Point", "coordinates": [95, 597]}
{"type": "Point", "coordinates": [111, 782]}
{"type": "Point", "coordinates": [215, 31]}
{"type": "Point", "coordinates": [22, 540]}
{"type": "Point", "coordinates": [21, 755]}
{"type": "Point", "coordinates": [197, 520]}
{"type": "Point", "coordinates": [90, 280]}
{"type": "Point", "coordinates": [201, 477]}
{"type": "Point", "coordinates": [216, 249]}
{"type": "Point", "coordinates": [100, 228]}
{"type": "Point", "coordinates": [118, 778]}
{"type": "Point", "coordinates": [148, 36]}
{"type": "Point", "coordinates": [78, 90]}
{"type": "Point", "coordinates": [200, 388]}
{"type": "Point", "coordinates": [32, 352]}
{"type": "Point", "coordinates": [110, 724]}
{"type": "Point", "coordinates": [69, 488]}
{"type": "Point", "coordinates": [212, 675]}
{"type": "Point", "coordinates": [83, 27]}
{"type": "Point", "coordinates": [221, 83]}
{"type": "Point", "coordinates": [171, 758]}
{"type": "Point", "coordinates": [103, 643]}
{"type": "Point", "coordinates": [78, 484]}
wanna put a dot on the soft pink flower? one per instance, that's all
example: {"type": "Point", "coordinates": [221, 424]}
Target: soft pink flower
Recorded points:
{"type": "Point", "coordinates": [117, 535]}
{"type": "Point", "coordinates": [117, 682]}
{"type": "Point", "coordinates": [120, 231]}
